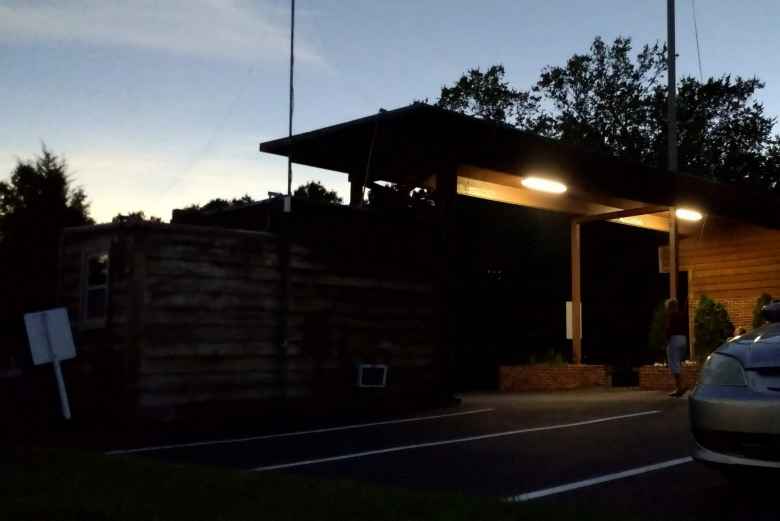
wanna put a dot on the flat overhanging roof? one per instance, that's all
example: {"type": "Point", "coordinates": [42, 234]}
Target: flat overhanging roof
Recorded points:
{"type": "Point", "coordinates": [413, 143]}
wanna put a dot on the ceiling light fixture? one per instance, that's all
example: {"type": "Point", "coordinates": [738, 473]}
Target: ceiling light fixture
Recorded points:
{"type": "Point", "coordinates": [543, 185]}
{"type": "Point", "coordinates": [687, 214]}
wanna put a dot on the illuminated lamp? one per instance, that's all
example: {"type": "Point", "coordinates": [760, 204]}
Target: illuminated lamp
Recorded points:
{"type": "Point", "coordinates": [543, 185]}
{"type": "Point", "coordinates": [686, 214]}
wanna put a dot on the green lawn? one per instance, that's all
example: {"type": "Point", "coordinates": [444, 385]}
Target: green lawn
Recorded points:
{"type": "Point", "coordinates": [39, 485]}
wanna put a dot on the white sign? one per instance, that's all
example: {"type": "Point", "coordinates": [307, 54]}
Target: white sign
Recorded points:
{"type": "Point", "coordinates": [570, 318]}
{"type": "Point", "coordinates": [51, 340]}
{"type": "Point", "coordinates": [50, 336]}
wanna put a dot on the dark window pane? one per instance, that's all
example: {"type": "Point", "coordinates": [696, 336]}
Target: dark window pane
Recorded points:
{"type": "Point", "coordinates": [96, 303]}
{"type": "Point", "coordinates": [98, 270]}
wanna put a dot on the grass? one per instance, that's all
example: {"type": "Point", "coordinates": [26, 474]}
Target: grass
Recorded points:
{"type": "Point", "coordinates": [41, 484]}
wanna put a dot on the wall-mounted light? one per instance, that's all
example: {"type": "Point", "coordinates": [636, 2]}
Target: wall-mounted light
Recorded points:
{"type": "Point", "coordinates": [686, 214]}
{"type": "Point", "coordinates": [543, 185]}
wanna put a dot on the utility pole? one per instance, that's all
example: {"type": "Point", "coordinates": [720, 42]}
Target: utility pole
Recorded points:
{"type": "Point", "coordinates": [672, 98]}
{"type": "Point", "coordinates": [292, 104]}
{"type": "Point", "coordinates": [672, 166]}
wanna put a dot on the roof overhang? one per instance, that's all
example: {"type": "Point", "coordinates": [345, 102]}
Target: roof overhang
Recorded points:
{"type": "Point", "coordinates": [412, 144]}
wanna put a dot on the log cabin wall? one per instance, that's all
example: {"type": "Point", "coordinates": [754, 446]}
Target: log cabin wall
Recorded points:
{"type": "Point", "coordinates": [733, 264]}
{"type": "Point", "coordinates": [193, 318]}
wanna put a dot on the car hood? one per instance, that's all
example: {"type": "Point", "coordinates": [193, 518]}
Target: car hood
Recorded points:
{"type": "Point", "coordinates": [757, 349]}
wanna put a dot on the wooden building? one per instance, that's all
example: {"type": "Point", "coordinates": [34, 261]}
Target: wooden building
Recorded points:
{"type": "Point", "coordinates": [175, 319]}
{"type": "Point", "coordinates": [727, 249]}
{"type": "Point", "coordinates": [263, 307]}
{"type": "Point", "coordinates": [733, 263]}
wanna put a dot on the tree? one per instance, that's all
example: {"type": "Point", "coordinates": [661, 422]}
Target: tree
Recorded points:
{"type": "Point", "coordinates": [218, 204]}
{"type": "Point", "coordinates": [488, 96]}
{"type": "Point", "coordinates": [315, 192]}
{"type": "Point", "coordinates": [610, 101]}
{"type": "Point", "coordinates": [134, 217]}
{"type": "Point", "coordinates": [36, 203]}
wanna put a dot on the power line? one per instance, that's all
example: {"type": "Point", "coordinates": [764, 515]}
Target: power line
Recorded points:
{"type": "Point", "coordinates": [696, 33]}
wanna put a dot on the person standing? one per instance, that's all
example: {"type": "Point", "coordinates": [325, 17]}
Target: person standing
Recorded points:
{"type": "Point", "coordinates": [676, 343]}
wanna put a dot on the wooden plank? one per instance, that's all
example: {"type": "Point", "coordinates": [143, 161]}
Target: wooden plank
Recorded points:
{"type": "Point", "coordinates": [620, 214]}
{"type": "Point", "coordinates": [206, 350]}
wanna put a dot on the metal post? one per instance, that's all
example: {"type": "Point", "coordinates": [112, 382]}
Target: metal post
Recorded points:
{"type": "Point", "coordinates": [61, 390]}
{"type": "Point", "coordinates": [292, 104]}
{"type": "Point", "coordinates": [672, 87]}
{"type": "Point", "coordinates": [576, 295]}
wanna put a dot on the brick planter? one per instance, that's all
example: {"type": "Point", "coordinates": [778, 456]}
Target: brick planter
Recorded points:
{"type": "Point", "coordinates": [542, 377]}
{"type": "Point", "coordinates": [653, 378]}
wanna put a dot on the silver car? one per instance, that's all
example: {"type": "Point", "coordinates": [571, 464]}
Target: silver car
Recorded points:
{"type": "Point", "coordinates": [735, 407]}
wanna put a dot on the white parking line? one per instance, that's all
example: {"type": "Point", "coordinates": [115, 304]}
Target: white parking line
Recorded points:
{"type": "Point", "coordinates": [449, 442]}
{"type": "Point", "coordinates": [527, 496]}
{"type": "Point", "coordinates": [296, 433]}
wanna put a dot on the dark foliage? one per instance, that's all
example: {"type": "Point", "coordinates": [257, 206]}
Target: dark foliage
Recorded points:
{"type": "Point", "coordinates": [612, 101]}
{"type": "Point", "coordinates": [36, 203]}
{"type": "Point", "coordinates": [711, 326]}
{"type": "Point", "coordinates": [315, 192]}
{"type": "Point", "coordinates": [218, 204]}
{"type": "Point", "coordinates": [135, 217]}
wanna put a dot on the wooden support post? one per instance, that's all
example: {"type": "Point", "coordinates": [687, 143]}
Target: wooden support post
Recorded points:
{"type": "Point", "coordinates": [576, 294]}
{"type": "Point", "coordinates": [356, 191]}
{"type": "Point", "coordinates": [446, 196]}
{"type": "Point", "coordinates": [673, 255]}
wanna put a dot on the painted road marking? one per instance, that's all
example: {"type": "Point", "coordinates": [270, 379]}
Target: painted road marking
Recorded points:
{"type": "Point", "coordinates": [527, 496]}
{"type": "Point", "coordinates": [296, 433]}
{"type": "Point", "coordinates": [449, 442]}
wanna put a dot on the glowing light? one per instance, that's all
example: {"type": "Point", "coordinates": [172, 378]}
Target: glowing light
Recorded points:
{"type": "Point", "coordinates": [688, 215]}
{"type": "Point", "coordinates": [543, 185]}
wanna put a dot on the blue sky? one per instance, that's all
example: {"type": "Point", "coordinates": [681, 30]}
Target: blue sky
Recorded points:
{"type": "Point", "coordinates": [159, 104]}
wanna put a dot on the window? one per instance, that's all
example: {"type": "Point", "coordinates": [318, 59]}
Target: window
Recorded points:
{"type": "Point", "coordinates": [95, 297]}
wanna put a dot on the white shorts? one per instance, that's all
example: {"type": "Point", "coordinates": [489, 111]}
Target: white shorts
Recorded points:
{"type": "Point", "coordinates": [675, 352]}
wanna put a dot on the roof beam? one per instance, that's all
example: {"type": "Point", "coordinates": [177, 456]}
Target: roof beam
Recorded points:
{"type": "Point", "coordinates": [632, 212]}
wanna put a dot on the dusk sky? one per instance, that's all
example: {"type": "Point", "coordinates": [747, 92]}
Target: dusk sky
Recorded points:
{"type": "Point", "coordinates": [157, 105]}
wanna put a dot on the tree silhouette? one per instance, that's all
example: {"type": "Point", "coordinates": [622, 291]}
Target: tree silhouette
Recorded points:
{"type": "Point", "coordinates": [36, 203]}
{"type": "Point", "coordinates": [134, 217]}
{"type": "Point", "coordinates": [614, 102]}
{"type": "Point", "coordinates": [218, 204]}
{"type": "Point", "coordinates": [315, 192]}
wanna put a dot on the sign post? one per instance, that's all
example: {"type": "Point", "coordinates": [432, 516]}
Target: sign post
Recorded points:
{"type": "Point", "coordinates": [51, 341]}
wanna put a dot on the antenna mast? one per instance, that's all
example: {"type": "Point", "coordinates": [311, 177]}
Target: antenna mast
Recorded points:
{"type": "Point", "coordinates": [292, 103]}
{"type": "Point", "coordinates": [671, 57]}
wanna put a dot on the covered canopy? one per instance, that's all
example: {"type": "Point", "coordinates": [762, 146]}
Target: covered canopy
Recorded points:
{"type": "Point", "coordinates": [413, 144]}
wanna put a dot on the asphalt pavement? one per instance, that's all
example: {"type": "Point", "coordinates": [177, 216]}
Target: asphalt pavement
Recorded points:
{"type": "Point", "coordinates": [613, 450]}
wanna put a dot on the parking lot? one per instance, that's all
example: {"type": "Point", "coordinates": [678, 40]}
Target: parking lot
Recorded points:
{"type": "Point", "coordinates": [609, 450]}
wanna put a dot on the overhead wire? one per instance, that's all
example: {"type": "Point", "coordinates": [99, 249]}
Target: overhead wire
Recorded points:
{"type": "Point", "coordinates": [696, 34]}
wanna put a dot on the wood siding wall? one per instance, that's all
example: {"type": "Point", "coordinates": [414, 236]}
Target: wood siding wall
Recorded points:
{"type": "Point", "coordinates": [196, 314]}
{"type": "Point", "coordinates": [732, 264]}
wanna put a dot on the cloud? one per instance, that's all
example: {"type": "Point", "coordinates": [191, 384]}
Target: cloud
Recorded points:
{"type": "Point", "coordinates": [233, 29]}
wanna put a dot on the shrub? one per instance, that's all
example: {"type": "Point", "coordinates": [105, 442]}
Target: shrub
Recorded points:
{"type": "Point", "coordinates": [550, 357]}
{"type": "Point", "coordinates": [762, 301]}
{"type": "Point", "coordinates": [711, 326]}
{"type": "Point", "coordinates": [656, 342]}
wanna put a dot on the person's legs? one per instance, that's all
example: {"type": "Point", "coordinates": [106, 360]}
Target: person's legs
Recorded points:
{"type": "Point", "coordinates": [674, 351]}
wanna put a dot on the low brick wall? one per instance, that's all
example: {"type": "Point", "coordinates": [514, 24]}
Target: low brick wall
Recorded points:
{"type": "Point", "coordinates": [543, 377]}
{"type": "Point", "coordinates": [658, 378]}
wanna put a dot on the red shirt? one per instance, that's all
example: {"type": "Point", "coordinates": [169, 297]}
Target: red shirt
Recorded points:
{"type": "Point", "coordinates": [676, 324]}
